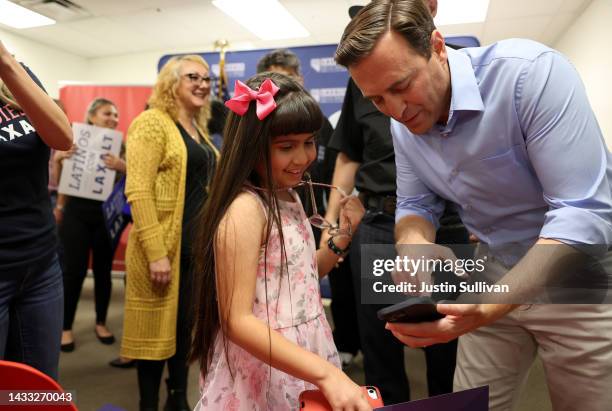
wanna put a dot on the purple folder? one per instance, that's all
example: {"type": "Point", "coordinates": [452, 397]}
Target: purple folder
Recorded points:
{"type": "Point", "coordinates": [475, 399]}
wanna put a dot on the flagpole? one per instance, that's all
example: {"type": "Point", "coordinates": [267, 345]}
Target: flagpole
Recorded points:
{"type": "Point", "coordinates": [222, 45]}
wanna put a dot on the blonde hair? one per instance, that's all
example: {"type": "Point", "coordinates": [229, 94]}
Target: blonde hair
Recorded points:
{"type": "Point", "coordinates": [7, 97]}
{"type": "Point", "coordinates": [164, 91]}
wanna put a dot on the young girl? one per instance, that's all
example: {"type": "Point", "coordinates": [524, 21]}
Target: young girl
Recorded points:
{"type": "Point", "coordinates": [261, 335]}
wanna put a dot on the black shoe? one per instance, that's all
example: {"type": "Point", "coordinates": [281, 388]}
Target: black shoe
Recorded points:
{"type": "Point", "coordinates": [118, 363]}
{"type": "Point", "coordinates": [177, 399]}
{"type": "Point", "coordinates": [105, 340]}
{"type": "Point", "coordinates": [68, 347]}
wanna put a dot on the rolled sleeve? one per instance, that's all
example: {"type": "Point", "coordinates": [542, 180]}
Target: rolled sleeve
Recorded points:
{"type": "Point", "coordinates": [567, 151]}
{"type": "Point", "coordinates": [413, 196]}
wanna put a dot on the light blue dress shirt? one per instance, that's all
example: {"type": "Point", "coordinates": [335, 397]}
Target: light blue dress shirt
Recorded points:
{"type": "Point", "coordinates": [522, 155]}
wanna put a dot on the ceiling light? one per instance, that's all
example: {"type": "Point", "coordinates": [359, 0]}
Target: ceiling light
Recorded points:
{"type": "Point", "coordinates": [18, 17]}
{"type": "Point", "coordinates": [461, 12]}
{"type": "Point", "coordinates": [267, 19]}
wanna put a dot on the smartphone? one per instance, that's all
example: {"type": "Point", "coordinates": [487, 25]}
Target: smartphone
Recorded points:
{"type": "Point", "coordinates": [413, 310]}
{"type": "Point", "coordinates": [314, 400]}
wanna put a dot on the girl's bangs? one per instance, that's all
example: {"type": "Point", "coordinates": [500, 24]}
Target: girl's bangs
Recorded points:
{"type": "Point", "coordinates": [297, 113]}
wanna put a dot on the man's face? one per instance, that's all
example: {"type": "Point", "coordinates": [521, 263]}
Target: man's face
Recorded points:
{"type": "Point", "coordinates": [405, 85]}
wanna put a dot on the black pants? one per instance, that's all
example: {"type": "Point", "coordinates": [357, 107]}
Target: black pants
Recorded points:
{"type": "Point", "coordinates": [383, 354]}
{"type": "Point", "coordinates": [82, 230]}
{"type": "Point", "coordinates": [346, 327]}
{"type": "Point", "coordinates": [150, 372]}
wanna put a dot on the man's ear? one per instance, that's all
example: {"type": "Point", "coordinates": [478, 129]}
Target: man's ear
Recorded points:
{"type": "Point", "coordinates": [437, 45]}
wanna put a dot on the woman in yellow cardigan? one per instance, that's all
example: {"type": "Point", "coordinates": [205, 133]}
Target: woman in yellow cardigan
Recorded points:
{"type": "Point", "coordinates": [170, 161]}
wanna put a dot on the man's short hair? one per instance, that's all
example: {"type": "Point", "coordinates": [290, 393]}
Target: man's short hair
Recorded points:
{"type": "Point", "coordinates": [281, 57]}
{"type": "Point", "coordinates": [409, 18]}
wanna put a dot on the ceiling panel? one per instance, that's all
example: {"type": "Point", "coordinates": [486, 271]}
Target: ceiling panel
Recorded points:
{"type": "Point", "coordinates": [118, 7]}
{"type": "Point", "coordinates": [573, 6]}
{"type": "Point", "coordinates": [526, 27]}
{"type": "Point", "coordinates": [556, 27]}
{"type": "Point", "coordinates": [508, 10]}
{"type": "Point", "coordinates": [120, 26]}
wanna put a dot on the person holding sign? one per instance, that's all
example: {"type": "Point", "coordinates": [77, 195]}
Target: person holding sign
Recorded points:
{"type": "Point", "coordinates": [31, 301]}
{"type": "Point", "coordinates": [170, 160]}
{"type": "Point", "coordinates": [82, 230]}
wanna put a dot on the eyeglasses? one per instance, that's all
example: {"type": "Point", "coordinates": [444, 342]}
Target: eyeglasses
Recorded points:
{"type": "Point", "coordinates": [195, 78]}
{"type": "Point", "coordinates": [316, 219]}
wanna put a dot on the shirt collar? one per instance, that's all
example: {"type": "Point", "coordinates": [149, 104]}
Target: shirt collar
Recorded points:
{"type": "Point", "coordinates": [465, 94]}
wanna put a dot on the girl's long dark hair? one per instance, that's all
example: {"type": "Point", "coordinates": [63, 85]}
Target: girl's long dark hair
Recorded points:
{"type": "Point", "coordinates": [246, 144]}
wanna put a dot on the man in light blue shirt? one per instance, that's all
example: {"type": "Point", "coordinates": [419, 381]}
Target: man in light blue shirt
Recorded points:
{"type": "Point", "coordinates": [507, 134]}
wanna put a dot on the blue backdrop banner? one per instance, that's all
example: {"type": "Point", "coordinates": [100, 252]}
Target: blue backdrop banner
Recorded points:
{"type": "Point", "coordinates": [323, 78]}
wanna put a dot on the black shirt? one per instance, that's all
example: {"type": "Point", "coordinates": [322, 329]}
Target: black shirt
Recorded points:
{"type": "Point", "coordinates": [363, 134]}
{"type": "Point", "coordinates": [200, 167]}
{"type": "Point", "coordinates": [27, 227]}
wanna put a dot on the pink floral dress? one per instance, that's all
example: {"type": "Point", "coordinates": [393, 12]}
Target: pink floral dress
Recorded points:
{"type": "Point", "coordinates": [294, 309]}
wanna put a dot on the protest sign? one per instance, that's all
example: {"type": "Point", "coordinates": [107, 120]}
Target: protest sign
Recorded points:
{"type": "Point", "coordinates": [114, 213]}
{"type": "Point", "coordinates": [84, 174]}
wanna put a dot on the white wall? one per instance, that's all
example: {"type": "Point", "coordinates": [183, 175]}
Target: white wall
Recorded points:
{"type": "Point", "coordinates": [50, 65]}
{"type": "Point", "coordinates": [135, 69]}
{"type": "Point", "coordinates": [588, 44]}
{"type": "Point", "coordinates": [140, 68]}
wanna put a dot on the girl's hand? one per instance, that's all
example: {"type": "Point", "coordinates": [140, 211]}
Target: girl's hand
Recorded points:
{"type": "Point", "coordinates": [114, 163]}
{"type": "Point", "coordinates": [160, 272]}
{"type": "Point", "coordinates": [342, 393]}
{"type": "Point", "coordinates": [60, 156]}
{"type": "Point", "coordinates": [351, 213]}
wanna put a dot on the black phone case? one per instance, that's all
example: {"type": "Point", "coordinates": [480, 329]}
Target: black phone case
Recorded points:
{"type": "Point", "coordinates": [413, 310]}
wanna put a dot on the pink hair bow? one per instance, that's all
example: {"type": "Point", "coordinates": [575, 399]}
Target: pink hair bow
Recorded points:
{"type": "Point", "coordinates": [243, 95]}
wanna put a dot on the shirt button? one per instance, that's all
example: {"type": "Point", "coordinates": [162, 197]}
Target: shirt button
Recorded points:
{"type": "Point", "coordinates": [467, 207]}
{"type": "Point", "coordinates": [486, 231]}
{"type": "Point", "coordinates": [454, 172]}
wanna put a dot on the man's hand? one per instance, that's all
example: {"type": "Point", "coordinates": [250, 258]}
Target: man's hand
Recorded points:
{"type": "Point", "coordinates": [460, 319]}
{"type": "Point", "coordinates": [419, 259]}
{"type": "Point", "coordinates": [160, 272]}
{"type": "Point", "coordinates": [351, 213]}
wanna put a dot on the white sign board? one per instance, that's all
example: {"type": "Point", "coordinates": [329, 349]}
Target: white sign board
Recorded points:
{"type": "Point", "coordinates": [84, 174]}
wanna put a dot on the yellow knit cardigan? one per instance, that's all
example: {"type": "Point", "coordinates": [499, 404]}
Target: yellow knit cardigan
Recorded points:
{"type": "Point", "coordinates": [155, 189]}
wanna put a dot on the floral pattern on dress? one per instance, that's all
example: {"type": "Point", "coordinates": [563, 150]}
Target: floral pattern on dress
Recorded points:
{"type": "Point", "coordinates": [293, 308]}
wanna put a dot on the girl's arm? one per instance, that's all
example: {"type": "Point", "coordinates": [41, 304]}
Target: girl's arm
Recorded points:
{"type": "Point", "coordinates": [237, 254]}
{"type": "Point", "coordinates": [56, 173]}
{"type": "Point", "coordinates": [47, 118]}
{"type": "Point", "coordinates": [351, 211]}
